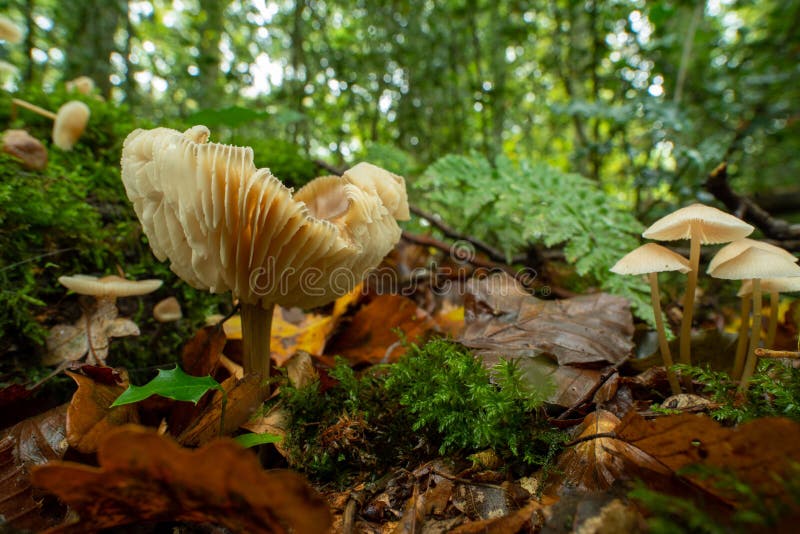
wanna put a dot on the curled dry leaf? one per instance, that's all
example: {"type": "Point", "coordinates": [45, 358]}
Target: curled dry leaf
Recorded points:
{"type": "Point", "coordinates": [90, 417]}
{"type": "Point", "coordinates": [145, 477]}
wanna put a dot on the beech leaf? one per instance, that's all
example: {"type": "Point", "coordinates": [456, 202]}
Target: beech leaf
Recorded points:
{"type": "Point", "coordinates": [173, 384]}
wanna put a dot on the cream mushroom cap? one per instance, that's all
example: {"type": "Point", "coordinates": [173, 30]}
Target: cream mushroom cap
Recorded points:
{"type": "Point", "coordinates": [167, 310]}
{"type": "Point", "coordinates": [70, 123]}
{"type": "Point", "coordinates": [740, 245]}
{"type": "Point", "coordinates": [772, 285]}
{"type": "Point", "coordinates": [108, 286]}
{"type": "Point", "coordinates": [226, 225]}
{"type": "Point", "coordinates": [82, 84]}
{"type": "Point", "coordinates": [756, 263]}
{"type": "Point", "coordinates": [651, 258]}
{"type": "Point", "coordinates": [712, 225]}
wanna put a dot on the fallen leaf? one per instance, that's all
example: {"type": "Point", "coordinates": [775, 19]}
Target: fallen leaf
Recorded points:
{"type": "Point", "coordinates": [146, 477]}
{"type": "Point", "coordinates": [21, 145]}
{"type": "Point", "coordinates": [503, 320]}
{"type": "Point", "coordinates": [90, 415]}
{"type": "Point", "coordinates": [528, 516]}
{"type": "Point", "coordinates": [371, 338]}
{"type": "Point", "coordinates": [200, 356]}
{"type": "Point", "coordinates": [170, 383]}
{"type": "Point", "coordinates": [562, 385]}
{"type": "Point", "coordinates": [450, 319]}
{"type": "Point", "coordinates": [28, 443]}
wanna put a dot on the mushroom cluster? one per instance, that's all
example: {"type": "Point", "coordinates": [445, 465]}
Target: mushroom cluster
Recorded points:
{"type": "Point", "coordinates": [226, 225]}
{"type": "Point", "coordinates": [743, 259]}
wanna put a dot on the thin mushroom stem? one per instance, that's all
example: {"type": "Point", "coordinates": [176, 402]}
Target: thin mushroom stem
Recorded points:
{"type": "Point", "coordinates": [688, 304]}
{"type": "Point", "coordinates": [755, 337]}
{"type": "Point", "coordinates": [256, 327]}
{"type": "Point", "coordinates": [33, 107]}
{"type": "Point", "coordinates": [655, 297]}
{"type": "Point", "coordinates": [741, 344]}
{"type": "Point", "coordinates": [774, 304]}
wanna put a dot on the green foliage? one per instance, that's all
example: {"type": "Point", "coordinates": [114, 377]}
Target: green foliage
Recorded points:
{"type": "Point", "coordinates": [284, 159]}
{"type": "Point", "coordinates": [440, 391]}
{"type": "Point", "coordinates": [516, 205]}
{"type": "Point", "coordinates": [774, 391]}
{"type": "Point", "coordinates": [253, 440]}
{"type": "Point", "coordinates": [173, 384]}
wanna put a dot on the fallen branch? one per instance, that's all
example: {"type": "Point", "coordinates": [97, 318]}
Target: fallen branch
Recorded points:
{"type": "Point", "coordinates": [778, 229]}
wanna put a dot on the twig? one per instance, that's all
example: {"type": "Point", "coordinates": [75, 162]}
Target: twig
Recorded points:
{"type": "Point", "coordinates": [328, 167]}
{"type": "Point", "coordinates": [778, 229]}
{"type": "Point", "coordinates": [589, 395]}
{"type": "Point", "coordinates": [768, 353]}
{"type": "Point", "coordinates": [466, 480]}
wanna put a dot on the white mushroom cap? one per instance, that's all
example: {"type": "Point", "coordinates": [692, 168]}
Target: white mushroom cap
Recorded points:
{"type": "Point", "coordinates": [82, 84]}
{"type": "Point", "coordinates": [712, 225]}
{"type": "Point", "coordinates": [740, 245]}
{"type": "Point", "coordinates": [9, 31]}
{"type": "Point", "coordinates": [756, 263]}
{"type": "Point", "coordinates": [108, 286]}
{"type": "Point", "coordinates": [651, 258]}
{"type": "Point", "coordinates": [227, 226]}
{"type": "Point", "coordinates": [772, 285]}
{"type": "Point", "coordinates": [70, 123]}
{"type": "Point", "coordinates": [167, 310]}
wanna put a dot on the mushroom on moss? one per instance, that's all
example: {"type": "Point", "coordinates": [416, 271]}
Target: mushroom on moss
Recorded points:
{"type": "Point", "coordinates": [700, 224]}
{"type": "Point", "coordinates": [754, 264]}
{"type": "Point", "coordinates": [68, 124]}
{"type": "Point", "coordinates": [651, 259]}
{"type": "Point", "coordinates": [225, 225]}
{"type": "Point", "coordinates": [82, 84]}
{"type": "Point", "coordinates": [31, 153]}
{"type": "Point", "coordinates": [167, 310]}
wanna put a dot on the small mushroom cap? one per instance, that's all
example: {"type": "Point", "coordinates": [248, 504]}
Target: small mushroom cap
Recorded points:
{"type": "Point", "coordinates": [740, 245]}
{"type": "Point", "coordinates": [756, 263]}
{"type": "Point", "coordinates": [772, 285]}
{"type": "Point", "coordinates": [711, 224]}
{"type": "Point", "coordinates": [9, 31]}
{"type": "Point", "coordinates": [225, 225]}
{"type": "Point", "coordinates": [167, 310]}
{"type": "Point", "coordinates": [70, 123]}
{"type": "Point", "coordinates": [108, 286]}
{"type": "Point", "coordinates": [23, 146]}
{"type": "Point", "coordinates": [651, 258]}
{"type": "Point", "coordinates": [82, 84]}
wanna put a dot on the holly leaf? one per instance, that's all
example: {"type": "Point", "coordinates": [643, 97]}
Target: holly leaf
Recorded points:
{"type": "Point", "coordinates": [173, 384]}
{"type": "Point", "coordinates": [252, 439]}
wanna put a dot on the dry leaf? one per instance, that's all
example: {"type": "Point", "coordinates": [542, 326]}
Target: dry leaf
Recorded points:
{"type": "Point", "coordinates": [90, 334]}
{"type": "Point", "coordinates": [371, 338]}
{"type": "Point", "coordinates": [90, 417]}
{"type": "Point", "coordinates": [504, 321]}
{"type": "Point", "coordinates": [514, 522]}
{"type": "Point", "coordinates": [145, 477]}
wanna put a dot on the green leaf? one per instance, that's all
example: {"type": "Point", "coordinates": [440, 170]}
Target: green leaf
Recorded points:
{"type": "Point", "coordinates": [251, 440]}
{"type": "Point", "coordinates": [173, 384]}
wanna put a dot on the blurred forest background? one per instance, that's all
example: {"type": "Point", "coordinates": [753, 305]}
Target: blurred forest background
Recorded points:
{"type": "Point", "coordinates": [528, 125]}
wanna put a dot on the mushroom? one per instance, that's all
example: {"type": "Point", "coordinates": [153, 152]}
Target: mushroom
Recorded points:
{"type": "Point", "coordinates": [69, 123]}
{"type": "Point", "coordinates": [775, 286]}
{"type": "Point", "coordinates": [9, 31]}
{"type": "Point", "coordinates": [167, 310]}
{"type": "Point", "coordinates": [26, 148]}
{"type": "Point", "coordinates": [225, 225]}
{"type": "Point", "coordinates": [700, 224]}
{"type": "Point", "coordinates": [746, 294]}
{"type": "Point", "coordinates": [755, 264]}
{"type": "Point", "coordinates": [651, 259]}
{"type": "Point", "coordinates": [82, 84]}
{"type": "Point", "coordinates": [98, 324]}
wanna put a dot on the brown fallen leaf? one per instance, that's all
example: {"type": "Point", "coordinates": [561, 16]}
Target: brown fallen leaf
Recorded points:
{"type": "Point", "coordinates": [90, 417]}
{"type": "Point", "coordinates": [529, 515]}
{"type": "Point", "coordinates": [28, 443]}
{"type": "Point", "coordinates": [754, 452]}
{"type": "Point", "coordinates": [503, 320]}
{"type": "Point", "coordinates": [145, 477]}
{"type": "Point", "coordinates": [371, 338]}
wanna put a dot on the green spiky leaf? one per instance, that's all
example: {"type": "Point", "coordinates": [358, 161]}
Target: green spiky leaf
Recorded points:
{"type": "Point", "coordinates": [173, 384]}
{"type": "Point", "coordinates": [251, 440]}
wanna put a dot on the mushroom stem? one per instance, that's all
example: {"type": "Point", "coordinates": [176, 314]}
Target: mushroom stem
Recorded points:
{"type": "Point", "coordinates": [755, 337]}
{"type": "Point", "coordinates": [774, 304]}
{"type": "Point", "coordinates": [741, 344]}
{"type": "Point", "coordinates": [688, 304]}
{"type": "Point", "coordinates": [655, 297]}
{"type": "Point", "coordinates": [256, 326]}
{"type": "Point", "coordinates": [34, 108]}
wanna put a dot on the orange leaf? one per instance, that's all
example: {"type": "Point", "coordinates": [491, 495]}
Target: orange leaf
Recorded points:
{"type": "Point", "coordinates": [146, 477]}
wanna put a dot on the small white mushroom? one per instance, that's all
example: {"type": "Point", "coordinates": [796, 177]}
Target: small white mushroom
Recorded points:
{"type": "Point", "coordinates": [68, 124]}
{"type": "Point", "coordinates": [167, 310]}
{"type": "Point", "coordinates": [82, 84]}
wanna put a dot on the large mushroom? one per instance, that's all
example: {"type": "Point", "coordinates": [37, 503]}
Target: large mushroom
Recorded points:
{"type": "Point", "coordinates": [700, 224]}
{"type": "Point", "coordinates": [225, 225]}
{"type": "Point", "coordinates": [68, 124]}
{"type": "Point", "coordinates": [754, 264]}
{"type": "Point", "coordinates": [651, 259]}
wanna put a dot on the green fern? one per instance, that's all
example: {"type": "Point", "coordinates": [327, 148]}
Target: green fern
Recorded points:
{"type": "Point", "coordinates": [515, 204]}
